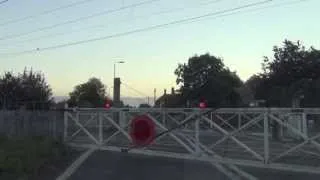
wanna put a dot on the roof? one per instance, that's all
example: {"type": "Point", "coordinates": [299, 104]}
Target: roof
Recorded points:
{"type": "Point", "coordinates": [169, 100]}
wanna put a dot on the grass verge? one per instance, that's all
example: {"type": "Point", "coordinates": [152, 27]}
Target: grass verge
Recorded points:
{"type": "Point", "coordinates": [33, 158]}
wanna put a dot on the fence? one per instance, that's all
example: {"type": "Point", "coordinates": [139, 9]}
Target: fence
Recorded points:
{"type": "Point", "coordinates": [273, 138]}
{"type": "Point", "coordinates": [32, 123]}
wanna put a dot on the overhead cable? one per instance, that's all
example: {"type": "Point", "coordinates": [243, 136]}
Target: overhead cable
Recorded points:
{"type": "Point", "coordinates": [186, 20]}
{"type": "Point", "coordinates": [127, 20]}
{"type": "Point", "coordinates": [137, 91]}
{"type": "Point", "coordinates": [1, 2]}
{"type": "Point", "coordinates": [12, 21]}
{"type": "Point", "coordinates": [78, 19]}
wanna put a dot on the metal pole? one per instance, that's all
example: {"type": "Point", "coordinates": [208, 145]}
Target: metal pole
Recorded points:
{"type": "Point", "coordinates": [211, 117]}
{"type": "Point", "coordinates": [114, 70]}
{"type": "Point", "coordinates": [5, 102]}
{"type": "Point", "coordinates": [304, 124]}
{"type": "Point", "coordinates": [239, 120]}
{"type": "Point", "coordinates": [197, 150]}
{"type": "Point", "coordinates": [154, 96]}
{"type": "Point", "coordinates": [266, 138]}
{"type": "Point", "coordinates": [100, 128]}
{"type": "Point", "coordinates": [164, 118]}
{"type": "Point", "coordinates": [65, 134]}
{"type": "Point", "coordinates": [114, 77]}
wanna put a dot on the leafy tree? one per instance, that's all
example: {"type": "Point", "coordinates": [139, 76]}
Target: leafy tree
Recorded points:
{"type": "Point", "coordinates": [253, 82]}
{"type": "Point", "coordinates": [293, 71]}
{"type": "Point", "coordinates": [207, 77]}
{"type": "Point", "coordinates": [28, 89]}
{"type": "Point", "coordinates": [89, 94]}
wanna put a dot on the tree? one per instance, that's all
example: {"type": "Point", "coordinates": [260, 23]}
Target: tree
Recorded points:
{"type": "Point", "coordinates": [207, 77]}
{"type": "Point", "coordinates": [253, 82]}
{"type": "Point", "coordinates": [291, 76]}
{"type": "Point", "coordinates": [293, 71]}
{"type": "Point", "coordinates": [89, 94]}
{"type": "Point", "coordinates": [28, 89]}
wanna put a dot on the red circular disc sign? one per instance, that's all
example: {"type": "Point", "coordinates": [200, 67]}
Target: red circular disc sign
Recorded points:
{"type": "Point", "coordinates": [142, 130]}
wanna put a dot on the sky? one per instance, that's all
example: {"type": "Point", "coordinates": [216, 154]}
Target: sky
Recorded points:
{"type": "Point", "coordinates": [241, 38]}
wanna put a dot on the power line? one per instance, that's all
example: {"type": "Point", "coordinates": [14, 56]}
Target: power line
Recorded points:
{"type": "Point", "coordinates": [79, 19]}
{"type": "Point", "coordinates": [135, 18]}
{"type": "Point", "coordinates": [186, 20]}
{"type": "Point", "coordinates": [137, 91]}
{"type": "Point", "coordinates": [287, 3]}
{"type": "Point", "coordinates": [1, 2]}
{"type": "Point", "coordinates": [44, 12]}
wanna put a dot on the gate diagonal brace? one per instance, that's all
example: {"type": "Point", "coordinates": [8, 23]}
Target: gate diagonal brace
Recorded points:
{"type": "Point", "coordinates": [159, 138]}
{"type": "Point", "coordinates": [84, 125]}
{"type": "Point", "coordinates": [248, 118]}
{"type": "Point", "coordinates": [219, 165]}
{"type": "Point", "coordinates": [297, 147]}
{"type": "Point", "coordinates": [252, 121]}
{"type": "Point", "coordinates": [215, 164]}
{"type": "Point", "coordinates": [172, 135]}
{"type": "Point", "coordinates": [117, 126]}
{"type": "Point", "coordinates": [84, 129]}
{"type": "Point", "coordinates": [316, 144]}
{"type": "Point", "coordinates": [225, 121]}
{"type": "Point", "coordinates": [255, 154]}
{"type": "Point", "coordinates": [112, 136]}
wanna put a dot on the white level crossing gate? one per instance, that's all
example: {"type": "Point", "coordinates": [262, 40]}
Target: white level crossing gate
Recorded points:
{"type": "Point", "coordinates": [274, 138]}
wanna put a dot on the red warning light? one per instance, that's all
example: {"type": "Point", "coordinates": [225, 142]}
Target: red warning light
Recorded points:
{"type": "Point", "coordinates": [202, 104]}
{"type": "Point", "coordinates": [107, 105]}
{"type": "Point", "coordinates": [142, 130]}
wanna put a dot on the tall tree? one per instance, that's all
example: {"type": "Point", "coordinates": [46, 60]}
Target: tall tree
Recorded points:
{"type": "Point", "coordinates": [89, 94]}
{"type": "Point", "coordinates": [28, 89]}
{"type": "Point", "coordinates": [207, 77]}
{"type": "Point", "coordinates": [291, 73]}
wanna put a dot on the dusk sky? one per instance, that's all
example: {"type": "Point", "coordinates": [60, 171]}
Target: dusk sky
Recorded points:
{"type": "Point", "coordinates": [241, 39]}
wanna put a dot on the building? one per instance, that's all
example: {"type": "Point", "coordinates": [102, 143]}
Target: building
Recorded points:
{"type": "Point", "coordinates": [169, 100]}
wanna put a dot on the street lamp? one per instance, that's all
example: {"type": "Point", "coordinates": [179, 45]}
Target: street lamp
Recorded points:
{"type": "Point", "coordinates": [114, 68]}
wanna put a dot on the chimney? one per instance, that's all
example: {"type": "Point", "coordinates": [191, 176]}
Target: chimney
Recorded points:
{"type": "Point", "coordinates": [165, 92]}
{"type": "Point", "coordinates": [172, 90]}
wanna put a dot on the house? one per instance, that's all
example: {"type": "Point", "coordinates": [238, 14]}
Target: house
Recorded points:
{"type": "Point", "coordinates": [169, 100]}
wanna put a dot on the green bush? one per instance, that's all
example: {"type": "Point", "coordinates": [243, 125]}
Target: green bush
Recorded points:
{"type": "Point", "coordinates": [23, 157]}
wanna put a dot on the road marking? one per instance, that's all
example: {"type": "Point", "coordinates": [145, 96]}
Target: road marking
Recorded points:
{"type": "Point", "coordinates": [76, 164]}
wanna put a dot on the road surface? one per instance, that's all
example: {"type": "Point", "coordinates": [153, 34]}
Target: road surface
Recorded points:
{"type": "Point", "coordinates": [106, 165]}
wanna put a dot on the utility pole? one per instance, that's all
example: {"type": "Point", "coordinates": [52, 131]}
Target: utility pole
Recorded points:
{"type": "Point", "coordinates": [116, 92]}
{"type": "Point", "coordinates": [116, 85]}
{"type": "Point", "coordinates": [154, 96]}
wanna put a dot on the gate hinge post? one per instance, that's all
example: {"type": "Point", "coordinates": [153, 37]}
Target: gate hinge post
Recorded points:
{"type": "Point", "coordinates": [266, 137]}
{"type": "Point", "coordinates": [100, 128]}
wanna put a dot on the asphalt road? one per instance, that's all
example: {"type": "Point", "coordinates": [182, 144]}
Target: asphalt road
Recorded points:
{"type": "Point", "coordinates": [105, 165]}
